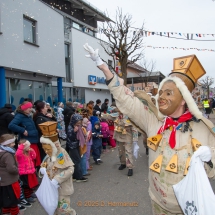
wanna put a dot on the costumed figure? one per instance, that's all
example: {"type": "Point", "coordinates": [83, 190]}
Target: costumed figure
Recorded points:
{"type": "Point", "coordinates": [123, 134]}
{"type": "Point", "coordinates": [59, 168]}
{"type": "Point", "coordinates": [175, 129]}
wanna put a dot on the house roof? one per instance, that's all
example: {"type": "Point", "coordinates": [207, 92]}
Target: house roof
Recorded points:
{"type": "Point", "coordinates": [137, 67]}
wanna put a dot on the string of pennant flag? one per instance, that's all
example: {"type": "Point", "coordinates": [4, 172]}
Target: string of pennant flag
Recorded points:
{"type": "Point", "coordinates": [175, 35]}
{"type": "Point", "coordinates": [176, 48]}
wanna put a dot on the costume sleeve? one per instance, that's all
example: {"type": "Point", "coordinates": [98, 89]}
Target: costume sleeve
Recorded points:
{"type": "Point", "coordinates": [64, 175]}
{"type": "Point", "coordinates": [130, 105]}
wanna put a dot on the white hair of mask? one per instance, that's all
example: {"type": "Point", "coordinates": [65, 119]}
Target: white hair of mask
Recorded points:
{"type": "Point", "coordinates": [44, 140]}
{"type": "Point", "coordinates": [193, 108]}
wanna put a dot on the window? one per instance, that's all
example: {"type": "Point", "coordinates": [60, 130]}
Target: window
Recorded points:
{"type": "Point", "coordinates": [29, 29]}
{"type": "Point", "coordinates": [67, 63]}
{"type": "Point", "coordinates": [76, 25]}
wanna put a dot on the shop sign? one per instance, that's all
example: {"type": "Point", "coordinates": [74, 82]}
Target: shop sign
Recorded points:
{"type": "Point", "coordinates": [93, 80]}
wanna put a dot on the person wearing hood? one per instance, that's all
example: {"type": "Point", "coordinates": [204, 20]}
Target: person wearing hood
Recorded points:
{"type": "Point", "coordinates": [6, 117]}
{"type": "Point", "coordinates": [176, 128]}
{"type": "Point", "coordinates": [97, 143]}
{"type": "Point", "coordinates": [73, 143]}
{"type": "Point", "coordinates": [59, 168]}
{"type": "Point", "coordinates": [23, 124]}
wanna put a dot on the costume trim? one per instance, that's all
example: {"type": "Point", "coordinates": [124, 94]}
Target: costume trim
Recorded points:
{"type": "Point", "coordinates": [48, 141]}
{"type": "Point", "coordinates": [193, 108]}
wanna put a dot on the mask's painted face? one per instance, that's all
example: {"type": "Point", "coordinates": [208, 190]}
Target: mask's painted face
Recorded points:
{"type": "Point", "coordinates": [48, 149]}
{"type": "Point", "coordinates": [169, 98]}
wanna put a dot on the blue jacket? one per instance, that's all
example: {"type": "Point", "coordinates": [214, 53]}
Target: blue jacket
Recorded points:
{"type": "Point", "coordinates": [97, 141]}
{"type": "Point", "coordinates": [20, 123]}
{"type": "Point", "coordinates": [93, 119]}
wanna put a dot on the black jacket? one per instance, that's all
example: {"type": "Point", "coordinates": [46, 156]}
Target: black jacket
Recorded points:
{"type": "Point", "coordinates": [68, 112]}
{"type": "Point", "coordinates": [72, 142]}
{"type": "Point", "coordinates": [5, 118]}
{"type": "Point", "coordinates": [96, 107]}
{"type": "Point", "coordinates": [104, 107]}
{"type": "Point", "coordinates": [41, 118]}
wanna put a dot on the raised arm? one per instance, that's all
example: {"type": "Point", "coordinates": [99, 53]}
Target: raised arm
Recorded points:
{"type": "Point", "coordinates": [124, 97]}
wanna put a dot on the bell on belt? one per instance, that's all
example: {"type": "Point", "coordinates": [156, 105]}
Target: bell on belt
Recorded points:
{"type": "Point", "coordinates": [153, 142]}
{"type": "Point", "coordinates": [116, 121]}
{"type": "Point", "coordinates": [195, 144]}
{"type": "Point", "coordinates": [156, 165]}
{"type": "Point", "coordinates": [124, 131]}
{"type": "Point", "coordinates": [173, 164]}
{"type": "Point", "coordinates": [119, 129]}
{"type": "Point", "coordinates": [116, 127]}
{"type": "Point", "coordinates": [187, 165]}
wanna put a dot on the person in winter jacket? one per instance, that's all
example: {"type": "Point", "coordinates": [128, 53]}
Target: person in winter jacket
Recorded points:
{"type": "Point", "coordinates": [87, 124]}
{"type": "Point", "coordinates": [105, 133]}
{"type": "Point", "coordinates": [97, 106]}
{"type": "Point", "coordinates": [23, 124]}
{"type": "Point", "coordinates": [97, 143]}
{"type": "Point", "coordinates": [9, 174]}
{"type": "Point", "coordinates": [73, 144]}
{"type": "Point", "coordinates": [60, 120]}
{"type": "Point", "coordinates": [90, 106]}
{"type": "Point", "coordinates": [5, 118]}
{"type": "Point", "coordinates": [104, 106]}
{"type": "Point", "coordinates": [25, 156]}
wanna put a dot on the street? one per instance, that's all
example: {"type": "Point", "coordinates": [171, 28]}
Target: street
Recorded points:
{"type": "Point", "coordinates": [110, 191]}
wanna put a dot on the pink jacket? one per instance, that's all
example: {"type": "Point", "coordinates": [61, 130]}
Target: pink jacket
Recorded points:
{"type": "Point", "coordinates": [105, 129]}
{"type": "Point", "coordinates": [25, 162]}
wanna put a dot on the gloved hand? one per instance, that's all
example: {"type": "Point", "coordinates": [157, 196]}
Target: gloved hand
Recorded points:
{"type": "Point", "coordinates": [93, 54]}
{"type": "Point", "coordinates": [43, 170]}
{"type": "Point", "coordinates": [55, 183]}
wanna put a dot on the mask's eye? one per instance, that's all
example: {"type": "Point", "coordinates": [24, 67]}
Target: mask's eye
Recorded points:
{"type": "Point", "coordinates": [168, 94]}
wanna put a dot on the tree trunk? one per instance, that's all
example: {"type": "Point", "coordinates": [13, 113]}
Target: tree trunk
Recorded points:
{"type": "Point", "coordinates": [124, 70]}
{"type": "Point", "coordinates": [208, 89]}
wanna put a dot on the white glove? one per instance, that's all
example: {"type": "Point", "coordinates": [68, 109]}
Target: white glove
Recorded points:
{"type": "Point", "coordinates": [43, 170]}
{"type": "Point", "coordinates": [55, 183]}
{"type": "Point", "coordinates": [93, 54]}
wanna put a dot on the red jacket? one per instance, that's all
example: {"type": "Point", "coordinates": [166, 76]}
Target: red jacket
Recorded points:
{"type": "Point", "coordinates": [25, 161]}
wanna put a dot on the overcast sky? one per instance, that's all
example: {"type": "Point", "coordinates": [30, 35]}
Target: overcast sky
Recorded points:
{"type": "Point", "coordinates": [185, 16]}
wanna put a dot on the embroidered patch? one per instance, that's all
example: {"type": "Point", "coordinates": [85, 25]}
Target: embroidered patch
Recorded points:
{"type": "Point", "coordinates": [60, 158]}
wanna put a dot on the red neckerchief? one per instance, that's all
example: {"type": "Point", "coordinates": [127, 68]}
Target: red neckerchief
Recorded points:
{"type": "Point", "coordinates": [174, 123]}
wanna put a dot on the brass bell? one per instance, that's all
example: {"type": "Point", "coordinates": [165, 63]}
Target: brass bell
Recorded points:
{"type": "Point", "coordinates": [187, 165]}
{"type": "Point", "coordinates": [116, 127]}
{"type": "Point", "coordinates": [153, 142]}
{"type": "Point", "coordinates": [173, 164]}
{"type": "Point", "coordinates": [124, 131]}
{"type": "Point", "coordinates": [116, 121]}
{"type": "Point", "coordinates": [195, 144]}
{"type": "Point", "coordinates": [119, 129]}
{"type": "Point", "coordinates": [156, 165]}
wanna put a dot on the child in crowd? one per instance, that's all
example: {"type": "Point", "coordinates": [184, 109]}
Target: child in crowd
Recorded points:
{"type": "Point", "coordinates": [25, 156]}
{"type": "Point", "coordinates": [97, 143]}
{"type": "Point", "coordinates": [9, 176]}
{"type": "Point", "coordinates": [105, 133]}
{"type": "Point", "coordinates": [87, 124]}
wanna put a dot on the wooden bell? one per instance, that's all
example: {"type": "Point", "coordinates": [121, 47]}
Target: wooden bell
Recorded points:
{"type": "Point", "coordinates": [173, 164]}
{"type": "Point", "coordinates": [119, 129]}
{"type": "Point", "coordinates": [195, 144]}
{"type": "Point", "coordinates": [153, 142]}
{"type": "Point", "coordinates": [116, 127]}
{"type": "Point", "coordinates": [156, 165]}
{"type": "Point", "coordinates": [124, 131]}
{"type": "Point", "coordinates": [187, 165]}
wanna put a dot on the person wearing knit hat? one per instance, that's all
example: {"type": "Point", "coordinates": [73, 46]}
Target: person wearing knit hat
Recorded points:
{"type": "Point", "coordinates": [26, 156]}
{"type": "Point", "coordinates": [9, 176]}
{"type": "Point", "coordinates": [24, 126]}
{"type": "Point", "coordinates": [176, 128]}
{"type": "Point", "coordinates": [59, 168]}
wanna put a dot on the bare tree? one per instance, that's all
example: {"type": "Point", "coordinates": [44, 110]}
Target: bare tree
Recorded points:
{"type": "Point", "coordinates": [206, 83]}
{"type": "Point", "coordinates": [123, 42]}
{"type": "Point", "coordinates": [149, 68]}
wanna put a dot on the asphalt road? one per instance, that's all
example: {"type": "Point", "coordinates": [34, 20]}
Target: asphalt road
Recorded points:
{"type": "Point", "coordinates": [108, 187]}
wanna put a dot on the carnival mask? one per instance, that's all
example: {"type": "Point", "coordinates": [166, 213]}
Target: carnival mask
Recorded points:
{"type": "Point", "coordinates": [48, 149]}
{"type": "Point", "coordinates": [170, 98]}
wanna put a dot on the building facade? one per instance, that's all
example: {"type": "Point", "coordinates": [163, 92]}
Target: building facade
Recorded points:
{"type": "Point", "coordinates": [42, 55]}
